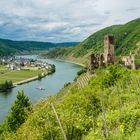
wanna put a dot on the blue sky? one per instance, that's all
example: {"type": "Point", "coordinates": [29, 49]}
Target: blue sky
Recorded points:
{"type": "Point", "coordinates": [62, 20]}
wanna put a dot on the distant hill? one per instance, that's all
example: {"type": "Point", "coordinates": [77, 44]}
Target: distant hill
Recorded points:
{"type": "Point", "coordinates": [66, 44]}
{"type": "Point", "coordinates": [12, 47]}
{"type": "Point", "coordinates": [127, 37]}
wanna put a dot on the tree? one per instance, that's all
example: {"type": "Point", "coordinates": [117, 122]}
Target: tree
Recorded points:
{"type": "Point", "coordinates": [5, 86]}
{"type": "Point", "coordinates": [19, 112]}
{"type": "Point", "coordinates": [39, 76]}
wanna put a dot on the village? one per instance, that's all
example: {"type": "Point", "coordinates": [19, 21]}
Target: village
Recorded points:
{"type": "Point", "coordinates": [21, 63]}
{"type": "Point", "coordinates": [16, 70]}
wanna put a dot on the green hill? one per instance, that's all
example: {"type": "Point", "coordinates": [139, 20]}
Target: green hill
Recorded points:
{"type": "Point", "coordinates": [127, 37]}
{"type": "Point", "coordinates": [11, 47]}
{"type": "Point", "coordinates": [104, 106]}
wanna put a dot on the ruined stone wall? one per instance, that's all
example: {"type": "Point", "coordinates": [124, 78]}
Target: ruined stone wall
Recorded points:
{"type": "Point", "coordinates": [129, 61]}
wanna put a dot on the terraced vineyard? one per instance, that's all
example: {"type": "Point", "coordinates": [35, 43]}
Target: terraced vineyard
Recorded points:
{"type": "Point", "coordinates": [83, 80]}
{"type": "Point", "coordinates": [79, 83]}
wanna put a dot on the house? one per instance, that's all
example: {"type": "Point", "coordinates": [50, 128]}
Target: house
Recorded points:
{"type": "Point", "coordinates": [12, 67]}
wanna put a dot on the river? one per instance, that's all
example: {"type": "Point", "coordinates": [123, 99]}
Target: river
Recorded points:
{"type": "Point", "coordinates": [65, 72]}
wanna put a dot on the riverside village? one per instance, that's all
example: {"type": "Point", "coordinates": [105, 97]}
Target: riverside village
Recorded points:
{"type": "Point", "coordinates": [17, 70]}
{"type": "Point", "coordinates": [19, 63]}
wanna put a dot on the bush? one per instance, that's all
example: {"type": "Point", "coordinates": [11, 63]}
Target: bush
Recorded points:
{"type": "Point", "coordinates": [114, 74]}
{"type": "Point", "coordinates": [81, 72]}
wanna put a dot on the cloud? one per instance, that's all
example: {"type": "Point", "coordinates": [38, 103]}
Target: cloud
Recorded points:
{"type": "Point", "coordinates": [62, 20]}
{"type": "Point", "coordinates": [107, 12]}
{"type": "Point", "coordinates": [132, 9]}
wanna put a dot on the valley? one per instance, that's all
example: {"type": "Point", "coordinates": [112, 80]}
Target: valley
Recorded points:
{"type": "Point", "coordinates": [96, 97]}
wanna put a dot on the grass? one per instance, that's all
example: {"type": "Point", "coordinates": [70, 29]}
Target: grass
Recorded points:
{"type": "Point", "coordinates": [16, 76]}
{"type": "Point", "coordinates": [3, 70]}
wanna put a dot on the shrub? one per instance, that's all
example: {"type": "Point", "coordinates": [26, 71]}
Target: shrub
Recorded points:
{"type": "Point", "coordinates": [81, 72]}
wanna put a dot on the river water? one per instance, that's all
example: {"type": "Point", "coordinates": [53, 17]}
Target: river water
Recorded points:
{"type": "Point", "coordinates": [65, 72]}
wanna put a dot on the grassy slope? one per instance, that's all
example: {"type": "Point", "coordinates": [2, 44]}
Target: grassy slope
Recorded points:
{"type": "Point", "coordinates": [127, 36]}
{"type": "Point", "coordinates": [80, 110]}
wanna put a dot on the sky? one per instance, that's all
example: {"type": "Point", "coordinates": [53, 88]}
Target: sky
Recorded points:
{"type": "Point", "coordinates": [62, 20]}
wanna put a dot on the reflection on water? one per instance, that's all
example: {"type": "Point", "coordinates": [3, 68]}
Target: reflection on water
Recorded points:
{"type": "Point", "coordinates": [65, 72]}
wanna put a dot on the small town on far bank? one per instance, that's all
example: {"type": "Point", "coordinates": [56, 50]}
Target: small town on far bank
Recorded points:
{"type": "Point", "coordinates": [16, 70]}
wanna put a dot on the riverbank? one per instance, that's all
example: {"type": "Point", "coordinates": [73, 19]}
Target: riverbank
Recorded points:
{"type": "Point", "coordinates": [17, 76]}
{"type": "Point", "coordinates": [25, 81]}
{"type": "Point", "coordinates": [30, 80]}
{"type": "Point", "coordinates": [70, 61]}
{"type": "Point", "coordinates": [36, 77]}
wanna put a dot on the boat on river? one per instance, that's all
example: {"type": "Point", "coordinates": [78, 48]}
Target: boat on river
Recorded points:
{"type": "Point", "coordinates": [40, 88]}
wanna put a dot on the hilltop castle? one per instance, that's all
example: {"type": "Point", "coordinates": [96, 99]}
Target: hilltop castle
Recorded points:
{"type": "Point", "coordinates": [106, 58]}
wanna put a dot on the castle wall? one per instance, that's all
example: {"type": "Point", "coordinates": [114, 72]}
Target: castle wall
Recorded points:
{"type": "Point", "coordinates": [129, 61]}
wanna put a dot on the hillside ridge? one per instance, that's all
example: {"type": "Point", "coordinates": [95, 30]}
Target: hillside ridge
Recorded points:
{"type": "Point", "coordinates": [126, 36]}
{"type": "Point", "coordinates": [12, 47]}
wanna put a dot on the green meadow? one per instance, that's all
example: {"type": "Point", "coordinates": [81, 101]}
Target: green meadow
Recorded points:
{"type": "Point", "coordinates": [16, 76]}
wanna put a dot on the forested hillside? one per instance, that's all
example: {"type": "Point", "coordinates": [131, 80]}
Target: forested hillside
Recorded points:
{"type": "Point", "coordinates": [126, 36]}
{"type": "Point", "coordinates": [12, 47]}
{"type": "Point", "coordinates": [102, 106]}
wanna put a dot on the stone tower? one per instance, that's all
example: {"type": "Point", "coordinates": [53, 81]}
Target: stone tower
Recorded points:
{"type": "Point", "coordinates": [109, 54]}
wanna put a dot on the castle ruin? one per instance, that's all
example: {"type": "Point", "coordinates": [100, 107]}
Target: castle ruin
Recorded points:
{"type": "Point", "coordinates": [129, 61]}
{"type": "Point", "coordinates": [106, 58]}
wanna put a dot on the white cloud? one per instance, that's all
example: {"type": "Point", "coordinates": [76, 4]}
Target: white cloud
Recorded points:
{"type": "Point", "coordinates": [62, 20]}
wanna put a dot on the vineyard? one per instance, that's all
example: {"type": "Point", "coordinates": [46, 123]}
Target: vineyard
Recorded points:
{"type": "Point", "coordinates": [83, 80]}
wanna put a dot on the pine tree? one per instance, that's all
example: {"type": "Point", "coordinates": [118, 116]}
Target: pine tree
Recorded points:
{"type": "Point", "coordinates": [19, 112]}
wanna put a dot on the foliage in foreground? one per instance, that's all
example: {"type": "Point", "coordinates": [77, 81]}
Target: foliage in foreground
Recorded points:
{"type": "Point", "coordinates": [19, 112]}
{"type": "Point", "coordinates": [107, 108]}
